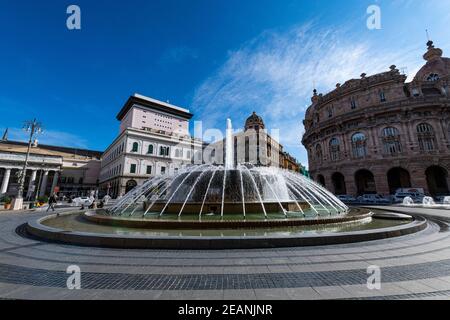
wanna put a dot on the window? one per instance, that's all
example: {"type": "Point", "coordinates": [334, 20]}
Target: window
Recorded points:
{"type": "Point", "coordinates": [391, 141]}
{"type": "Point", "coordinates": [353, 103]}
{"type": "Point", "coordinates": [188, 154]}
{"type": "Point", "coordinates": [433, 77]}
{"type": "Point", "coordinates": [133, 168]}
{"type": "Point", "coordinates": [425, 128]}
{"type": "Point", "coordinates": [382, 96]}
{"type": "Point", "coordinates": [150, 149]}
{"type": "Point", "coordinates": [359, 147]}
{"type": "Point", "coordinates": [426, 137]}
{"type": "Point", "coordinates": [177, 153]}
{"type": "Point", "coordinates": [330, 111]}
{"type": "Point", "coordinates": [335, 148]}
{"type": "Point", "coordinates": [163, 170]}
{"type": "Point", "coordinates": [316, 118]}
{"type": "Point", "coordinates": [80, 181]}
{"type": "Point", "coordinates": [247, 149]}
{"type": "Point", "coordinates": [164, 151]}
{"type": "Point", "coordinates": [213, 156]}
{"type": "Point", "coordinates": [135, 147]}
{"type": "Point", "coordinates": [319, 155]}
{"type": "Point", "coordinates": [149, 169]}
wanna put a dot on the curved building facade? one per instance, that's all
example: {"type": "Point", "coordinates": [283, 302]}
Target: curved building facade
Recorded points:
{"type": "Point", "coordinates": [380, 133]}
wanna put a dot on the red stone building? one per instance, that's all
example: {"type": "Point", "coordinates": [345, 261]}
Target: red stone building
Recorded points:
{"type": "Point", "coordinates": [379, 133]}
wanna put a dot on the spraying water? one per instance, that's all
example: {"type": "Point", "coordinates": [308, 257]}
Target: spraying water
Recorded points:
{"type": "Point", "coordinates": [229, 150]}
{"type": "Point", "coordinates": [231, 189]}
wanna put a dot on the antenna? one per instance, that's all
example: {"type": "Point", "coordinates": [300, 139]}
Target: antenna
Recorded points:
{"type": "Point", "coordinates": [428, 35]}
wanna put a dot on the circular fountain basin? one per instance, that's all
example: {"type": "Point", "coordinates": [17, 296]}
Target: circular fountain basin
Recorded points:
{"type": "Point", "coordinates": [214, 221]}
{"type": "Point", "coordinates": [78, 229]}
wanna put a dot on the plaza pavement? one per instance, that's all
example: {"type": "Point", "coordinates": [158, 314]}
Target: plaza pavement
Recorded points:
{"type": "Point", "coordinates": [412, 267]}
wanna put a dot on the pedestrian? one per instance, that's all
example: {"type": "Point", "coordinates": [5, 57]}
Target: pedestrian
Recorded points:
{"type": "Point", "coordinates": [52, 202]}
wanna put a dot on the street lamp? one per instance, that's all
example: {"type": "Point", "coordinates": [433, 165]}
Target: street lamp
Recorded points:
{"type": "Point", "coordinates": [34, 128]}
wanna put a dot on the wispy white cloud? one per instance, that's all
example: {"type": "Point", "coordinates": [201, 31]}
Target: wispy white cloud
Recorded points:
{"type": "Point", "coordinates": [274, 73]}
{"type": "Point", "coordinates": [48, 137]}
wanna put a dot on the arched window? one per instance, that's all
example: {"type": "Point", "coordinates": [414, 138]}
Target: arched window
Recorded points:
{"type": "Point", "coordinates": [359, 145]}
{"type": "Point", "coordinates": [426, 137]}
{"type": "Point", "coordinates": [135, 147]}
{"type": "Point", "coordinates": [391, 141]}
{"type": "Point", "coordinates": [433, 77]}
{"type": "Point", "coordinates": [319, 154]}
{"type": "Point", "coordinates": [130, 185]}
{"type": "Point", "coordinates": [335, 149]}
{"type": "Point", "coordinates": [150, 149]}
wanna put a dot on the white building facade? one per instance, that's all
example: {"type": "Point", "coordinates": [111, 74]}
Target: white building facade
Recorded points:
{"type": "Point", "coordinates": [154, 140]}
{"type": "Point", "coordinates": [68, 171]}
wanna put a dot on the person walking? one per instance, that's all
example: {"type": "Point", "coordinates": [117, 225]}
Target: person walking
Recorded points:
{"type": "Point", "coordinates": [52, 202]}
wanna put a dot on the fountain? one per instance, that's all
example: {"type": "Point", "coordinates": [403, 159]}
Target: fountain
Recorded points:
{"type": "Point", "coordinates": [428, 202]}
{"type": "Point", "coordinates": [223, 206]}
{"type": "Point", "coordinates": [446, 201]}
{"type": "Point", "coordinates": [230, 192]}
{"type": "Point", "coordinates": [408, 201]}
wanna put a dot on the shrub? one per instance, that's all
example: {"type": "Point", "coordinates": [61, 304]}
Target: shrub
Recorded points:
{"type": "Point", "coordinates": [43, 199]}
{"type": "Point", "coordinates": [6, 200]}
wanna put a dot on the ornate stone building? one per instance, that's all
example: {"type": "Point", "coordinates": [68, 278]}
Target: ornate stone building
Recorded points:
{"type": "Point", "coordinates": [253, 145]}
{"type": "Point", "coordinates": [379, 133]}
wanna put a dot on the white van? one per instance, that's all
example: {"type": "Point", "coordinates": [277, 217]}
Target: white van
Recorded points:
{"type": "Point", "coordinates": [417, 194]}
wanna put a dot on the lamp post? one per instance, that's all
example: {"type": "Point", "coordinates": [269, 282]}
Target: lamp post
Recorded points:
{"type": "Point", "coordinates": [34, 128]}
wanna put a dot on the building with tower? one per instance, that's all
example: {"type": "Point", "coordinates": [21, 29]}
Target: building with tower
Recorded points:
{"type": "Point", "coordinates": [253, 145]}
{"type": "Point", "coordinates": [379, 133]}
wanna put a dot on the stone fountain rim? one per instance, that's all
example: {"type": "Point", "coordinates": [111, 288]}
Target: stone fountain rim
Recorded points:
{"type": "Point", "coordinates": [42, 232]}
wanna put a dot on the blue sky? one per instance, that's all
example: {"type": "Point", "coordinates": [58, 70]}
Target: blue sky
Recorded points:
{"type": "Point", "coordinates": [218, 58]}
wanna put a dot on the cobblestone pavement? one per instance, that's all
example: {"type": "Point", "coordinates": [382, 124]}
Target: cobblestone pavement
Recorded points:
{"type": "Point", "coordinates": [412, 267]}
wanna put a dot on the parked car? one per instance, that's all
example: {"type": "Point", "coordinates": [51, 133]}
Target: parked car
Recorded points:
{"type": "Point", "coordinates": [399, 197]}
{"type": "Point", "coordinates": [373, 199]}
{"type": "Point", "coordinates": [85, 201]}
{"type": "Point", "coordinates": [440, 199]}
{"type": "Point", "coordinates": [346, 198]}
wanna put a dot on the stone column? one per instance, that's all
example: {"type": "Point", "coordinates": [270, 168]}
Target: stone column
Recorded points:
{"type": "Point", "coordinates": [5, 182]}
{"type": "Point", "coordinates": [32, 183]}
{"type": "Point", "coordinates": [43, 184]}
{"type": "Point", "coordinates": [55, 182]}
